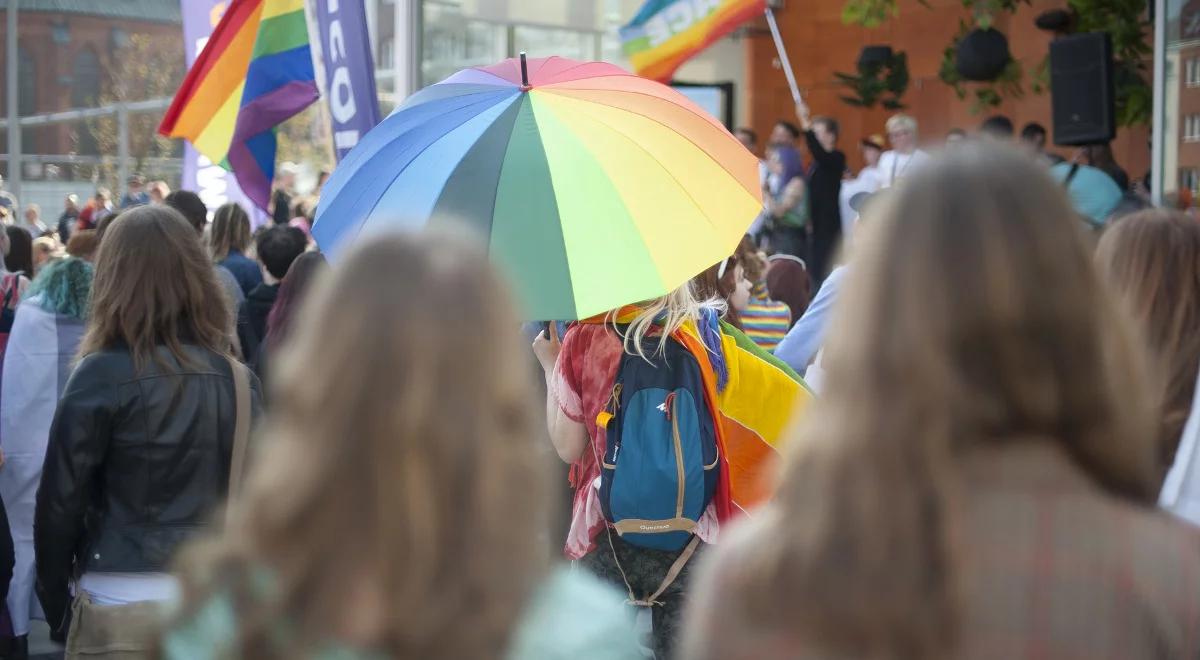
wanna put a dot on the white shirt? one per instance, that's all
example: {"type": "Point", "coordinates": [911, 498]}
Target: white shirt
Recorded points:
{"type": "Point", "coordinates": [868, 180]}
{"type": "Point", "coordinates": [1181, 490]}
{"type": "Point", "coordinates": [126, 588]}
{"type": "Point", "coordinates": [894, 166]}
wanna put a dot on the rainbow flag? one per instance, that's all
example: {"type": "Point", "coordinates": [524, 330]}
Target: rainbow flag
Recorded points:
{"type": "Point", "coordinates": [254, 73]}
{"type": "Point", "coordinates": [666, 33]}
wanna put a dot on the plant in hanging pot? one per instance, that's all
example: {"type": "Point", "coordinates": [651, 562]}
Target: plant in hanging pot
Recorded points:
{"type": "Point", "coordinates": [881, 78]}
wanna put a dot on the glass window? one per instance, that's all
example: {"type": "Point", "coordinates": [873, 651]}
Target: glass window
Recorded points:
{"type": "Point", "coordinates": [450, 42]}
{"type": "Point", "coordinates": [1189, 179]}
{"type": "Point", "coordinates": [544, 42]}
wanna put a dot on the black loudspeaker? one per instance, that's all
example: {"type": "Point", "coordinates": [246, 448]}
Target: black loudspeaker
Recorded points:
{"type": "Point", "coordinates": [1081, 89]}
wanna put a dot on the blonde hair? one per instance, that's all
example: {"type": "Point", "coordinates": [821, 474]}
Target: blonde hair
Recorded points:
{"type": "Point", "coordinates": [1151, 260]}
{"type": "Point", "coordinates": [428, 504]}
{"type": "Point", "coordinates": [230, 230]}
{"type": "Point", "coordinates": [901, 122]}
{"type": "Point", "coordinates": [973, 318]}
{"type": "Point", "coordinates": [665, 315]}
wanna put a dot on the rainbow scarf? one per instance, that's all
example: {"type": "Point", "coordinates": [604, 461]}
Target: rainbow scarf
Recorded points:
{"type": "Point", "coordinates": [754, 395]}
{"type": "Point", "coordinates": [667, 33]}
{"type": "Point", "coordinates": [254, 73]}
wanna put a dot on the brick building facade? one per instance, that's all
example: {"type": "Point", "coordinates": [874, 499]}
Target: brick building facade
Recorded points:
{"type": "Point", "coordinates": [66, 51]}
{"type": "Point", "coordinates": [819, 44]}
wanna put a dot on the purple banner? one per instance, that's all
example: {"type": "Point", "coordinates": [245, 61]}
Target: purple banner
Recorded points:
{"type": "Point", "coordinates": [349, 71]}
{"type": "Point", "coordinates": [213, 183]}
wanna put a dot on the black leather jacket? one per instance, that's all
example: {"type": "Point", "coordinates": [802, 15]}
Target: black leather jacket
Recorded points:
{"type": "Point", "coordinates": [136, 464]}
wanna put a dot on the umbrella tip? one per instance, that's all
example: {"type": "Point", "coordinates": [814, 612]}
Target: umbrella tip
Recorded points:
{"type": "Point", "coordinates": [525, 86]}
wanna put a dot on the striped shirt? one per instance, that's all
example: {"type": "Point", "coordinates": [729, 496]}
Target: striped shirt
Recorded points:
{"type": "Point", "coordinates": [765, 321]}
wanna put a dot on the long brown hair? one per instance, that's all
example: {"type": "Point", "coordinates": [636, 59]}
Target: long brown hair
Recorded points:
{"type": "Point", "coordinates": [1151, 260]}
{"type": "Point", "coordinates": [712, 284]}
{"type": "Point", "coordinates": [230, 230]}
{"type": "Point", "coordinates": [154, 286]}
{"type": "Point", "coordinates": [973, 317]}
{"type": "Point", "coordinates": [400, 468]}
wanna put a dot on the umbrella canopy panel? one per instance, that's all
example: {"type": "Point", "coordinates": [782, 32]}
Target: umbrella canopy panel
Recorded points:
{"type": "Point", "coordinates": [594, 188]}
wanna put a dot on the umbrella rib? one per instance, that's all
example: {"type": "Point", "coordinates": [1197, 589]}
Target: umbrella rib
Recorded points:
{"type": "Point", "coordinates": [623, 74]}
{"type": "Point", "coordinates": [559, 88]}
{"type": "Point", "coordinates": [367, 215]}
{"type": "Point", "coordinates": [656, 161]}
{"type": "Point", "coordinates": [653, 119]}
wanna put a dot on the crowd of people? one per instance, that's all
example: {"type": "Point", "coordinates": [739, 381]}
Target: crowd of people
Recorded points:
{"type": "Point", "coordinates": [218, 445]}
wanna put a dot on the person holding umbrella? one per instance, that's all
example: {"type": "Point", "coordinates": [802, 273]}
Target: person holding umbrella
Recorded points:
{"type": "Point", "coordinates": [599, 195]}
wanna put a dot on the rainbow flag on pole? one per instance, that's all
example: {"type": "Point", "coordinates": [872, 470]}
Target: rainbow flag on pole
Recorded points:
{"type": "Point", "coordinates": [254, 73]}
{"type": "Point", "coordinates": [666, 33]}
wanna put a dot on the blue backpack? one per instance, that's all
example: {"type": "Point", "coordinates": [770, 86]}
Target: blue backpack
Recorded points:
{"type": "Point", "coordinates": [660, 468]}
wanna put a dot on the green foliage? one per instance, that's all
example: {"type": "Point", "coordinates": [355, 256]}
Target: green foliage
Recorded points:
{"type": "Point", "coordinates": [869, 13]}
{"type": "Point", "coordinates": [1126, 25]}
{"type": "Point", "coordinates": [1123, 20]}
{"type": "Point", "coordinates": [877, 84]}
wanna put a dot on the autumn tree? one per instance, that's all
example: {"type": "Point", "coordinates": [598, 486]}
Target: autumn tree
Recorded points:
{"type": "Point", "coordinates": [146, 67]}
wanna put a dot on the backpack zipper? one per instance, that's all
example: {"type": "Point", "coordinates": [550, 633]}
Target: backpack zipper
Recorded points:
{"type": "Point", "coordinates": [673, 415]}
{"type": "Point", "coordinates": [614, 405]}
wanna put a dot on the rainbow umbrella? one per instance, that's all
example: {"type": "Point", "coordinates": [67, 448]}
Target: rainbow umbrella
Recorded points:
{"type": "Point", "coordinates": [593, 188]}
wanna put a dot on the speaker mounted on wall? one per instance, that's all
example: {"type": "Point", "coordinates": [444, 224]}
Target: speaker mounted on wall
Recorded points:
{"type": "Point", "coordinates": [1081, 89]}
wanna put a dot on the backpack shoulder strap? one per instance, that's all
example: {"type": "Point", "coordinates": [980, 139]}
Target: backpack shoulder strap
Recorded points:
{"type": "Point", "coordinates": [1071, 175]}
{"type": "Point", "coordinates": [241, 428]}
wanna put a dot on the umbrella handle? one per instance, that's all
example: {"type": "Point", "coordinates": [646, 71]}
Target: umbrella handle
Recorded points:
{"type": "Point", "coordinates": [525, 86]}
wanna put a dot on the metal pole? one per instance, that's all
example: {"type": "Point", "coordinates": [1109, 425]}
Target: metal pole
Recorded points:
{"type": "Point", "coordinates": [122, 150]}
{"type": "Point", "coordinates": [783, 58]}
{"type": "Point", "coordinates": [11, 73]}
{"type": "Point", "coordinates": [1158, 124]}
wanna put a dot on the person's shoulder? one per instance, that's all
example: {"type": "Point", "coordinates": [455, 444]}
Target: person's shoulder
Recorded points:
{"type": "Point", "coordinates": [572, 615]}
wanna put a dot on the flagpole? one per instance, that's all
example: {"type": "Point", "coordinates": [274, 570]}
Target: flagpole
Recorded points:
{"type": "Point", "coordinates": [783, 58]}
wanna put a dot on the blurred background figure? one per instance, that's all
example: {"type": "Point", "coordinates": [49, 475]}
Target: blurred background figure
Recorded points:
{"type": "Point", "coordinates": [284, 190]}
{"type": "Point", "coordinates": [997, 127]}
{"type": "Point", "coordinates": [276, 247]}
{"type": "Point", "coordinates": [195, 212]}
{"type": "Point", "coordinates": [1151, 260]}
{"type": "Point", "coordinates": [904, 158]}
{"type": "Point", "coordinates": [68, 218]}
{"type": "Point", "coordinates": [955, 137]}
{"type": "Point", "coordinates": [1000, 499]}
{"type": "Point", "coordinates": [83, 244]}
{"type": "Point", "coordinates": [99, 206]}
{"type": "Point", "coordinates": [158, 191]}
{"type": "Point", "coordinates": [788, 282]}
{"type": "Point", "coordinates": [394, 540]}
{"type": "Point", "coordinates": [40, 354]}
{"type": "Point", "coordinates": [765, 321]}
{"type": "Point", "coordinates": [784, 134]}
{"type": "Point", "coordinates": [304, 272]}
{"type": "Point", "coordinates": [135, 192]}
{"type": "Point", "coordinates": [13, 282]}
{"type": "Point", "coordinates": [44, 249]}
{"type": "Point", "coordinates": [1094, 194]}
{"type": "Point", "coordinates": [19, 257]}
{"type": "Point", "coordinates": [725, 283]}
{"type": "Point", "coordinates": [825, 174]}
{"type": "Point", "coordinates": [1033, 142]}
{"type": "Point", "coordinates": [785, 225]}
{"type": "Point", "coordinates": [229, 241]}
{"type": "Point", "coordinates": [140, 449]}
{"type": "Point", "coordinates": [32, 221]}
{"type": "Point", "coordinates": [1100, 156]}
{"type": "Point", "coordinates": [869, 180]}
{"type": "Point", "coordinates": [749, 139]}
